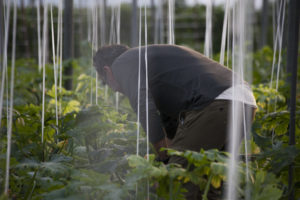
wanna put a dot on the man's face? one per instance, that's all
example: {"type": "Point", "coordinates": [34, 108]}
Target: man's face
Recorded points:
{"type": "Point", "coordinates": [108, 78]}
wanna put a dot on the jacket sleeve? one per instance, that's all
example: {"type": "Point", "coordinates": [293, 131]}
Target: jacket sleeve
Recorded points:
{"type": "Point", "coordinates": [125, 70]}
{"type": "Point", "coordinates": [156, 132]}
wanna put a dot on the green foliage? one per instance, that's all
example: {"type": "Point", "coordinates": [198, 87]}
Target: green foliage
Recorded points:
{"type": "Point", "coordinates": [262, 65]}
{"type": "Point", "coordinates": [205, 169]}
{"type": "Point", "coordinates": [265, 187]}
{"type": "Point", "coordinates": [80, 156]}
{"type": "Point", "coordinates": [271, 135]}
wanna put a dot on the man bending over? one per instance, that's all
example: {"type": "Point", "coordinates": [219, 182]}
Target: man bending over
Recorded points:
{"type": "Point", "coordinates": [189, 95]}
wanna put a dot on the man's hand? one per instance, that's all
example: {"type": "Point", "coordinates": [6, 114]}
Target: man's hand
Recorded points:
{"type": "Point", "coordinates": [162, 155]}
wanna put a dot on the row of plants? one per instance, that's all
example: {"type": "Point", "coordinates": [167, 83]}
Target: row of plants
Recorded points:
{"type": "Point", "coordinates": [91, 153]}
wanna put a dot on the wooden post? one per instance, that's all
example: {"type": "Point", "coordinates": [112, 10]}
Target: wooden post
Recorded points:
{"type": "Point", "coordinates": [292, 56]}
{"type": "Point", "coordinates": [68, 42]}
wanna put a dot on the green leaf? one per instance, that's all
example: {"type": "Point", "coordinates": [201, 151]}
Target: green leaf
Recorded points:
{"type": "Point", "coordinates": [218, 168]}
{"type": "Point", "coordinates": [72, 106]}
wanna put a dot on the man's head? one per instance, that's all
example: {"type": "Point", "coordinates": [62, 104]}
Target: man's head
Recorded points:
{"type": "Point", "coordinates": [103, 60]}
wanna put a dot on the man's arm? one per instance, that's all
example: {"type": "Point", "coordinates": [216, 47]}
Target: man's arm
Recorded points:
{"type": "Point", "coordinates": [156, 133]}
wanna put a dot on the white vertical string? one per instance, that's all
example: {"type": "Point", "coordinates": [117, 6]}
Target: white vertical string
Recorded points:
{"type": "Point", "coordinates": [39, 35]}
{"type": "Point", "coordinates": [238, 118]}
{"type": "Point", "coordinates": [171, 21]}
{"type": "Point", "coordinates": [93, 41]}
{"type": "Point", "coordinates": [246, 146]}
{"type": "Point", "coordinates": [94, 45]}
{"type": "Point", "coordinates": [224, 31]}
{"type": "Point", "coordinates": [208, 30]}
{"type": "Point", "coordinates": [246, 43]}
{"type": "Point", "coordinates": [139, 92]}
{"type": "Point", "coordinates": [102, 23]}
{"type": "Point", "coordinates": [228, 36]}
{"type": "Point", "coordinates": [241, 41]}
{"type": "Point", "coordinates": [54, 65]}
{"type": "Point", "coordinates": [9, 131]}
{"type": "Point", "coordinates": [4, 60]}
{"type": "Point", "coordinates": [112, 27]}
{"type": "Point", "coordinates": [280, 44]}
{"type": "Point", "coordinates": [230, 190]}
{"type": "Point", "coordinates": [58, 53]}
{"type": "Point", "coordinates": [44, 63]}
{"type": "Point", "coordinates": [61, 54]}
{"type": "Point", "coordinates": [103, 37]}
{"type": "Point", "coordinates": [118, 23]}
{"type": "Point", "coordinates": [248, 32]}
{"type": "Point", "coordinates": [139, 84]}
{"type": "Point", "coordinates": [96, 95]}
{"type": "Point", "coordinates": [242, 64]}
{"type": "Point", "coordinates": [7, 97]}
{"type": "Point", "coordinates": [58, 36]}
{"type": "Point", "coordinates": [275, 42]}
{"type": "Point", "coordinates": [279, 58]}
{"type": "Point", "coordinates": [112, 40]}
{"type": "Point", "coordinates": [278, 40]}
{"type": "Point", "coordinates": [7, 86]}
{"type": "Point", "coordinates": [146, 79]}
{"type": "Point", "coordinates": [95, 48]}
{"type": "Point", "coordinates": [147, 90]}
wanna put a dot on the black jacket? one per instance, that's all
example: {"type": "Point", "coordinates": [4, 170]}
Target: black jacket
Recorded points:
{"type": "Point", "coordinates": [180, 79]}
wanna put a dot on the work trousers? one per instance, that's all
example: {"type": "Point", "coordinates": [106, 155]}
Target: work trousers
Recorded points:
{"type": "Point", "coordinates": [206, 129]}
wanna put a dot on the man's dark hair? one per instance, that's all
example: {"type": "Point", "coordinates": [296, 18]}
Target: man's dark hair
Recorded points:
{"type": "Point", "coordinates": [105, 56]}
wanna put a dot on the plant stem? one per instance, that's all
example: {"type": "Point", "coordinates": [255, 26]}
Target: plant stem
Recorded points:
{"type": "Point", "coordinates": [204, 196]}
{"type": "Point", "coordinates": [29, 192]}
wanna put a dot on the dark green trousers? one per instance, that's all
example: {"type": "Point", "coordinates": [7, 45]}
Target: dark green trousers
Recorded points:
{"type": "Point", "coordinates": [205, 129]}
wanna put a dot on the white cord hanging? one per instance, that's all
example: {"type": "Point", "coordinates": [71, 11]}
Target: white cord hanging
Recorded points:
{"type": "Point", "coordinates": [139, 83]}
{"type": "Point", "coordinates": [224, 32]}
{"type": "Point", "coordinates": [39, 35]}
{"type": "Point", "coordinates": [171, 21]}
{"type": "Point", "coordinates": [4, 61]}
{"type": "Point", "coordinates": [208, 30]}
{"type": "Point", "coordinates": [10, 118]}
{"type": "Point", "coordinates": [44, 64]}
{"type": "Point", "coordinates": [278, 37]}
{"type": "Point", "coordinates": [54, 66]}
